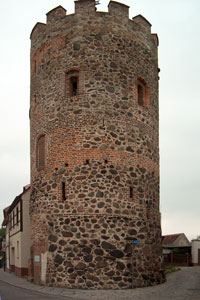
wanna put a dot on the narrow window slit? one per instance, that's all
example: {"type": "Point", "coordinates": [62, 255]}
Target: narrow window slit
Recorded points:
{"type": "Point", "coordinates": [41, 153]}
{"type": "Point", "coordinates": [131, 192]}
{"type": "Point", "coordinates": [140, 95]}
{"type": "Point", "coordinates": [142, 92]}
{"type": "Point", "coordinates": [103, 122]}
{"type": "Point", "coordinates": [34, 67]}
{"type": "Point", "coordinates": [63, 191]}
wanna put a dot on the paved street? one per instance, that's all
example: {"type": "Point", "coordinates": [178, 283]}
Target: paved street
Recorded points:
{"type": "Point", "coordinates": [9, 292]}
{"type": "Point", "coordinates": [181, 285]}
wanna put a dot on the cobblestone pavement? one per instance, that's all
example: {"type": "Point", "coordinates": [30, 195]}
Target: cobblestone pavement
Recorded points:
{"type": "Point", "coordinates": [181, 285]}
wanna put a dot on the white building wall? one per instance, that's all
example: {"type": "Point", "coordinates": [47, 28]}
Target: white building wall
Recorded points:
{"type": "Point", "coordinates": [15, 239]}
{"type": "Point", "coordinates": [25, 239]}
{"type": "Point", "coordinates": [15, 250]}
{"type": "Point", "coordinates": [7, 248]}
{"type": "Point", "coordinates": [18, 234]}
{"type": "Point", "coordinates": [195, 248]}
{"type": "Point", "coordinates": [182, 241]}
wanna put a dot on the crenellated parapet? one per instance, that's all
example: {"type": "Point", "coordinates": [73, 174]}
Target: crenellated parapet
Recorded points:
{"type": "Point", "coordinates": [116, 11]}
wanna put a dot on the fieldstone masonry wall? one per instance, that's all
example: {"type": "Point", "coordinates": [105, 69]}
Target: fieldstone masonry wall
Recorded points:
{"type": "Point", "coordinates": [98, 189]}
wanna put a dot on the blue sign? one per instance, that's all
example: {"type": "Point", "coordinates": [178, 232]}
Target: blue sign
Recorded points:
{"type": "Point", "coordinates": [136, 242]}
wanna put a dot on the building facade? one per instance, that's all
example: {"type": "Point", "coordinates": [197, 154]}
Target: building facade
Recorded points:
{"type": "Point", "coordinates": [95, 150]}
{"type": "Point", "coordinates": [17, 222]}
{"type": "Point", "coordinates": [196, 252]}
{"type": "Point", "coordinates": [177, 240]}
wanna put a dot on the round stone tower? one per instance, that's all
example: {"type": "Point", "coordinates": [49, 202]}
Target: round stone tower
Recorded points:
{"type": "Point", "coordinates": [94, 150]}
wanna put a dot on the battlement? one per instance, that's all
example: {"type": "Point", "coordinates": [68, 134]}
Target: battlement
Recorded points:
{"type": "Point", "coordinates": [84, 6]}
{"type": "Point", "coordinates": [140, 20]}
{"type": "Point", "coordinates": [56, 13]}
{"type": "Point", "coordinates": [114, 8]}
{"type": "Point", "coordinates": [118, 9]}
{"type": "Point", "coordinates": [88, 7]}
{"type": "Point", "coordinates": [39, 27]}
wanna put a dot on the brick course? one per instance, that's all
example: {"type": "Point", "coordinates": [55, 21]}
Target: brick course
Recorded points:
{"type": "Point", "coordinates": [99, 188]}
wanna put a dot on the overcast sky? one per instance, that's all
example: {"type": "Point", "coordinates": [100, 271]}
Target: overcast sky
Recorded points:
{"type": "Point", "coordinates": [177, 24]}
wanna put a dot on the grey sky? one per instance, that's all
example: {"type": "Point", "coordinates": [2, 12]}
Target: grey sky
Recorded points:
{"type": "Point", "coordinates": [177, 24]}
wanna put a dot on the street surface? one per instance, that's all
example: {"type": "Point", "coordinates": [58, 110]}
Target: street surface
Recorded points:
{"type": "Point", "coordinates": [181, 285]}
{"type": "Point", "coordinates": [9, 292]}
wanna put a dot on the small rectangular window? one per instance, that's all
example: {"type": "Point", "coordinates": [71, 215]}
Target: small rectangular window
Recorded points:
{"type": "Point", "coordinates": [34, 66]}
{"type": "Point", "coordinates": [140, 95]}
{"type": "Point", "coordinates": [63, 191]}
{"type": "Point", "coordinates": [72, 83]}
{"type": "Point", "coordinates": [41, 152]}
{"type": "Point", "coordinates": [131, 192]}
{"type": "Point", "coordinates": [18, 249]}
{"type": "Point", "coordinates": [17, 215]}
{"type": "Point", "coordinates": [13, 219]}
{"type": "Point", "coordinates": [73, 86]}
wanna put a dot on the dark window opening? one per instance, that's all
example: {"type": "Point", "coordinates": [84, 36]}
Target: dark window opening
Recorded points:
{"type": "Point", "coordinates": [73, 86]}
{"type": "Point", "coordinates": [17, 215]}
{"type": "Point", "coordinates": [72, 83]}
{"type": "Point", "coordinates": [41, 153]}
{"type": "Point", "coordinates": [63, 191]}
{"type": "Point", "coordinates": [87, 162]}
{"type": "Point", "coordinates": [13, 218]}
{"type": "Point", "coordinates": [140, 95]}
{"type": "Point", "coordinates": [34, 67]}
{"type": "Point", "coordinates": [131, 192]}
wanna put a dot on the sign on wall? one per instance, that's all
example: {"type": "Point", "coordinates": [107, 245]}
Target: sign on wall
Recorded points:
{"type": "Point", "coordinates": [37, 258]}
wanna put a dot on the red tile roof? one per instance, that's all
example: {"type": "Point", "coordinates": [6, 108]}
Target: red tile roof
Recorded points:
{"type": "Point", "coordinates": [170, 238]}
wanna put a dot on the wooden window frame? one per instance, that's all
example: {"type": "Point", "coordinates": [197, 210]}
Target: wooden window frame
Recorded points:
{"type": "Point", "coordinates": [17, 214]}
{"type": "Point", "coordinates": [17, 249]}
{"type": "Point", "coordinates": [13, 218]}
